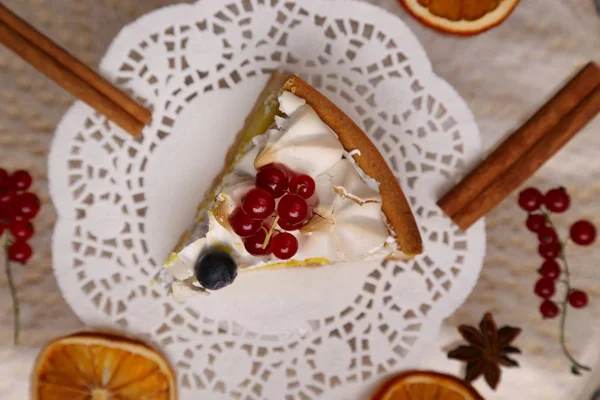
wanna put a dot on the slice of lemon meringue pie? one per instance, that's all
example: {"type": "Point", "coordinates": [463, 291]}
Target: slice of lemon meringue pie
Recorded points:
{"type": "Point", "coordinates": [303, 186]}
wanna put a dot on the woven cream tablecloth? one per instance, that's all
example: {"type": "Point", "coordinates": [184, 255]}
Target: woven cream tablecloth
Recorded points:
{"type": "Point", "coordinates": [504, 75]}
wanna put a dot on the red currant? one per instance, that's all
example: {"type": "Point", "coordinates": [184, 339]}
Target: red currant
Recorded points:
{"type": "Point", "coordinates": [557, 200]}
{"type": "Point", "coordinates": [254, 243]}
{"type": "Point", "coordinates": [273, 179]}
{"type": "Point", "coordinates": [6, 195]}
{"type": "Point", "coordinates": [583, 233]}
{"type": "Point", "coordinates": [258, 204]}
{"type": "Point", "coordinates": [27, 205]}
{"type": "Point", "coordinates": [285, 245]}
{"type": "Point", "coordinates": [2, 227]}
{"type": "Point", "coordinates": [21, 229]}
{"type": "Point", "coordinates": [544, 288]}
{"type": "Point", "coordinates": [242, 224]}
{"type": "Point", "coordinates": [549, 251]}
{"type": "Point", "coordinates": [7, 213]}
{"type": "Point", "coordinates": [530, 199]}
{"type": "Point", "coordinates": [303, 185]}
{"type": "Point", "coordinates": [549, 309]}
{"type": "Point", "coordinates": [535, 222]}
{"type": "Point", "coordinates": [3, 176]}
{"type": "Point", "coordinates": [19, 180]}
{"type": "Point", "coordinates": [578, 298]}
{"type": "Point", "coordinates": [550, 269]}
{"type": "Point", "coordinates": [547, 235]}
{"type": "Point", "coordinates": [19, 251]}
{"type": "Point", "coordinates": [292, 208]}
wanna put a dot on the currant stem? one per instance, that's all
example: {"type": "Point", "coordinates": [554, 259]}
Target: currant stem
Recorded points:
{"type": "Point", "coordinates": [565, 303]}
{"type": "Point", "coordinates": [270, 233]}
{"type": "Point", "coordinates": [13, 291]}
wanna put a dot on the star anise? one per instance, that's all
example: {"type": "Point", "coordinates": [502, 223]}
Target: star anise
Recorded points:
{"type": "Point", "coordinates": [488, 349]}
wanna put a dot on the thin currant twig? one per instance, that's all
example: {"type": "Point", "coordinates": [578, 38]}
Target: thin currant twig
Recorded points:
{"type": "Point", "coordinates": [13, 290]}
{"type": "Point", "coordinates": [565, 303]}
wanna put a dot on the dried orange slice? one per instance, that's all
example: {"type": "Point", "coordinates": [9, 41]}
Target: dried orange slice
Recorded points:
{"type": "Point", "coordinates": [92, 366]}
{"type": "Point", "coordinates": [460, 17]}
{"type": "Point", "coordinates": [426, 385]}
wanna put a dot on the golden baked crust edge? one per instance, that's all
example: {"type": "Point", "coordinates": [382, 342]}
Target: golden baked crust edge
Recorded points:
{"type": "Point", "coordinates": [395, 206]}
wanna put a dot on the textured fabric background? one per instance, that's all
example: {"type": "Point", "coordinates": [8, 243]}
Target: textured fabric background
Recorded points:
{"type": "Point", "coordinates": [504, 75]}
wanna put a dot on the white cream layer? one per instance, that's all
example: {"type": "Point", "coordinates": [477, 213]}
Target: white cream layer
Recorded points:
{"type": "Point", "coordinates": [352, 226]}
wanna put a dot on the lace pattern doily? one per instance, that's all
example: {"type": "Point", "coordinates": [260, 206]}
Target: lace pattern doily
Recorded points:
{"type": "Point", "coordinates": [328, 333]}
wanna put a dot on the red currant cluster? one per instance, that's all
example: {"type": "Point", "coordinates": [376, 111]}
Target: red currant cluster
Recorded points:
{"type": "Point", "coordinates": [279, 199]}
{"type": "Point", "coordinates": [17, 208]}
{"type": "Point", "coordinates": [552, 249]}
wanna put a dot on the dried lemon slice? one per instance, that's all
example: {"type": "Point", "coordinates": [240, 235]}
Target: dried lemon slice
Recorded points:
{"type": "Point", "coordinates": [94, 366]}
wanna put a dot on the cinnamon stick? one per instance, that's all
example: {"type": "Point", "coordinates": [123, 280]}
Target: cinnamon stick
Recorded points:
{"type": "Point", "coordinates": [514, 148]}
{"type": "Point", "coordinates": [69, 81]}
{"type": "Point", "coordinates": [531, 161]}
{"type": "Point", "coordinates": [28, 32]}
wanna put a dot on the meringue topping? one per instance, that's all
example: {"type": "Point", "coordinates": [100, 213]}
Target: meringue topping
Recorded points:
{"type": "Point", "coordinates": [354, 209]}
{"type": "Point", "coordinates": [348, 222]}
{"type": "Point", "coordinates": [302, 143]}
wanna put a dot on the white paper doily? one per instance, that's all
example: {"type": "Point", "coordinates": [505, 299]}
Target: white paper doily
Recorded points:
{"type": "Point", "coordinates": [330, 333]}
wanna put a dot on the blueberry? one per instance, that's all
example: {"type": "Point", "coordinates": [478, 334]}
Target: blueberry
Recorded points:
{"type": "Point", "coordinates": [215, 269]}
